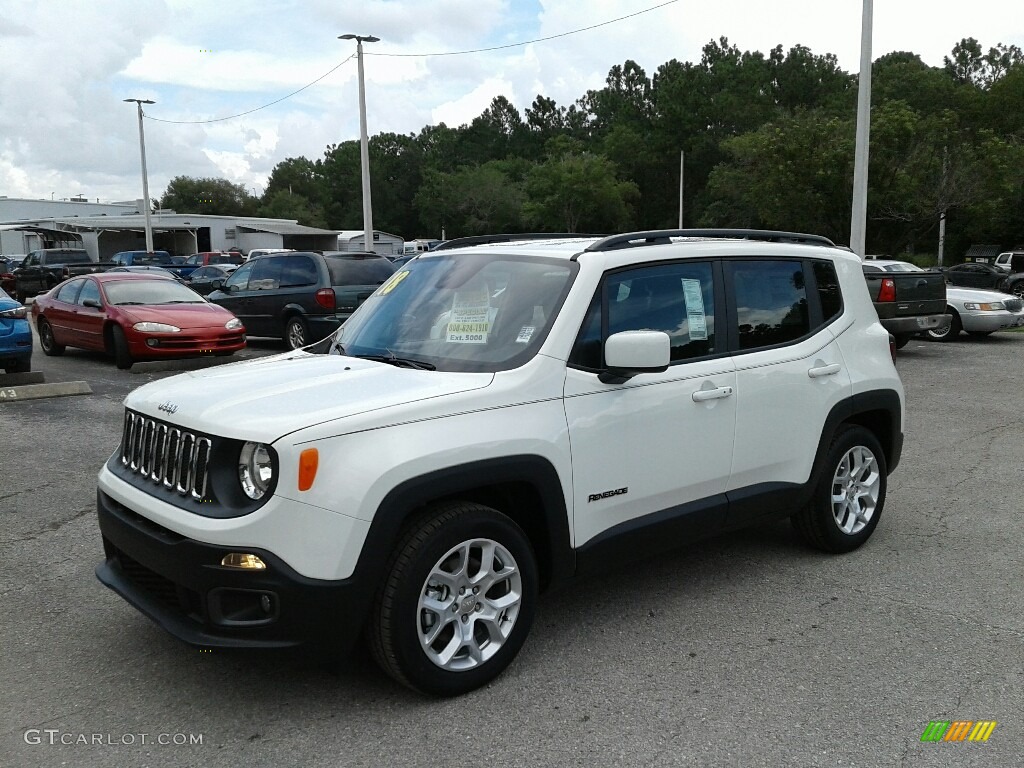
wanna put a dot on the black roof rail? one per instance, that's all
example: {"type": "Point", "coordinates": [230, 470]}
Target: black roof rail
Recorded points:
{"type": "Point", "coordinates": [465, 242]}
{"type": "Point", "coordinates": [663, 237]}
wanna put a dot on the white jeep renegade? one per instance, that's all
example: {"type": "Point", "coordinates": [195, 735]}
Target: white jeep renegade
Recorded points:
{"type": "Point", "coordinates": [494, 419]}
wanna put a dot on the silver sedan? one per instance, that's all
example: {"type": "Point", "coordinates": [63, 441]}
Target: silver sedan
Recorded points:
{"type": "Point", "coordinates": [979, 312]}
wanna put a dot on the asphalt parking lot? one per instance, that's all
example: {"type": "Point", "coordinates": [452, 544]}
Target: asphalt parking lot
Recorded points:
{"type": "Point", "coordinates": [747, 650]}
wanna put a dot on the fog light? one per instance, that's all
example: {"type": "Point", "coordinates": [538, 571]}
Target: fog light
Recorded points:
{"type": "Point", "coordinates": [152, 342]}
{"type": "Point", "coordinates": [245, 561]}
{"type": "Point", "coordinates": [265, 603]}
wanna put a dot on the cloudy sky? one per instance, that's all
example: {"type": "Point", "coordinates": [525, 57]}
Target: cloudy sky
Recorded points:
{"type": "Point", "coordinates": [67, 65]}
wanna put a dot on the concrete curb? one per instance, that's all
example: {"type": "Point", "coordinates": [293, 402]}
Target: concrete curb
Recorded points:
{"type": "Point", "coordinates": [18, 379]}
{"type": "Point", "coordinates": [39, 391]}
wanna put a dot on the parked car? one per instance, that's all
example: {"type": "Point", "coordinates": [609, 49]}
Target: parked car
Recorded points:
{"type": "Point", "coordinates": [975, 275]}
{"type": "Point", "coordinates": [134, 317]}
{"type": "Point", "coordinates": [1004, 261]}
{"type": "Point", "coordinates": [15, 336]}
{"type": "Point", "coordinates": [301, 296]}
{"type": "Point", "coordinates": [153, 271]}
{"type": "Point", "coordinates": [197, 260]}
{"type": "Point", "coordinates": [206, 279]}
{"type": "Point", "coordinates": [8, 264]}
{"type": "Point", "coordinates": [493, 421]}
{"type": "Point", "coordinates": [43, 269]}
{"type": "Point", "coordinates": [142, 258]}
{"type": "Point", "coordinates": [255, 253]}
{"type": "Point", "coordinates": [908, 299]}
{"type": "Point", "coordinates": [979, 313]}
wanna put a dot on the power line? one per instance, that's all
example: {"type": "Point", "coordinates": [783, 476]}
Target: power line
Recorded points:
{"type": "Point", "coordinates": [418, 55]}
{"type": "Point", "coordinates": [256, 109]}
{"type": "Point", "coordinates": [525, 42]}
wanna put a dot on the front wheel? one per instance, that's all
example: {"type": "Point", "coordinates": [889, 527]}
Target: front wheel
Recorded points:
{"type": "Point", "coordinates": [1017, 289]}
{"type": "Point", "coordinates": [296, 333]}
{"type": "Point", "coordinates": [122, 357]}
{"type": "Point", "coordinates": [955, 326]}
{"type": "Point", "coordinates": [47, 340]}
{"type": "Point", "coordinates": [979, 334]}
{"type": "Point", "coordinates": [457, 602]}
{"type": "Point", "coordinates": [21, 365]}
{"type": "Point", "coordinates": [849, 495]}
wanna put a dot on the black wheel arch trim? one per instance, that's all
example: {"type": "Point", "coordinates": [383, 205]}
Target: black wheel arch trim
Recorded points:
{"type": "Point", "coordinates": [880, 411]}
{"type": "Point", "coordinates": [546, 528]}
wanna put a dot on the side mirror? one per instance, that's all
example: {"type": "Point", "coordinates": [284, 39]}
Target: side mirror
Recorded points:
{"type": "Point", "coordinates": [629, 353]}
{"type": "Point", "coordinates": [217, 283]}
{"type": "Point", "coordinates": [95, 304]}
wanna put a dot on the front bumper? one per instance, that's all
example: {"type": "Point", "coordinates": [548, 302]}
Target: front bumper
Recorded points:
{"type": "Point", "coordinates": [185, 344]}
{"type": "Point", "coordinates": [986, 322]}
{"type": "Point", "coordinates": [180, 584]}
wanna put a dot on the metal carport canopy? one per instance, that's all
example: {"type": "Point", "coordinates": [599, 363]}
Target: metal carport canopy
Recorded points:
{"type": "Point", "coordinates": [287, 229]}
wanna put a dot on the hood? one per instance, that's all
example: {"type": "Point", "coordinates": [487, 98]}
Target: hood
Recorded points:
{"type": "Point", "coordinates": [268, 398]}
{"type": "Point", "coordinates": [976, 294]}
{"type": "Point", "coordinates": [182, 315]}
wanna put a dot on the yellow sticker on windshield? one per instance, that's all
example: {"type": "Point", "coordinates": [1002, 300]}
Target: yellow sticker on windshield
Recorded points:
{"type": "Point", "coordinates": [394, 280]}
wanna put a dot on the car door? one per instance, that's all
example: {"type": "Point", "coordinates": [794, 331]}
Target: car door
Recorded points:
{"type": "Point", "coordinates": [28, 281]}
{"type": "Point", "coordinates": [785, 316]}
{"type": "Point", "coordinates": [201, 281]}
{"type": "Point", "coordinates": [235, 295]}
{"type": "Point", "coordinates": [658, 446]}
{"type": "Point", "coordinates": [88, 319]}
{"type": "Point", "coordinates": [62, 312]}
{"type": "Point", "coordinates": [267, 299]}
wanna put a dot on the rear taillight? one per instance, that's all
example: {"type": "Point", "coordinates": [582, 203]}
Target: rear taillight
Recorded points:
{"type": "Point", "coordinates": [325, 298]}
{"type": "Point", "coordinates": [888, 291]}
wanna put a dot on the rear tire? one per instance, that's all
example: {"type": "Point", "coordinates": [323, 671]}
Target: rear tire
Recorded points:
{"type": "Point", "coordinates": [849, 495]}
{"type": "Point", "coordinates": [47, 341]}
{"type": "Point", "coordinates": [950, 333]}
{"type": "Point", "coordinates": [19, 366]}
{"type": "Point", "coordinates": [457, 601]}
{"type": "Point", "coordinates": [296, 332]}
{"type": "Point", "coordinates": [122, 357]}
{"type": "Point", "coordinates": [901, 341]}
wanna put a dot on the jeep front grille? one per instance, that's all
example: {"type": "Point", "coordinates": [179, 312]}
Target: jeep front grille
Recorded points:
{"type": "Point", "coordinates": [165, 454]}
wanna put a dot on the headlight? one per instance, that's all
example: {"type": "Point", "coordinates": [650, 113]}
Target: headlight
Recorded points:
{"type": "Point", "coordinates": [156, 328]}
{"type": "Point", "coordinates": [16, 312]}
{"type": "Point", "coordinates": [255, 470]}
{"type": "Point", "coordinates": [991, 306]}
{"type": "Point", "coordinates": [233, 324]}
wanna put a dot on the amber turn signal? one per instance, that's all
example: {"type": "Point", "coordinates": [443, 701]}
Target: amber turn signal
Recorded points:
{"type": "Point", "coordinates": [309, 459]}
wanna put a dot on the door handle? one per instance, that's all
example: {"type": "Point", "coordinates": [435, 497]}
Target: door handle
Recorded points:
{"type": "Point", "coordinates": [825, 370]}
{"type": "Point", "coordinates": [711, 394]}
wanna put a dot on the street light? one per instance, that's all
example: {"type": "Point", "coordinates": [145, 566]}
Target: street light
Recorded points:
{"type": "Point", "coordinates": [145, 176]}
{"type": "Point", "coordinates": [364, 149]}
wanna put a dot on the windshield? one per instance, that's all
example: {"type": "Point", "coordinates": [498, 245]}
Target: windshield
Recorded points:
{"type": "Point", "coordinates": [158, 291]}
{"type": "Point", "coordinates": [460, 312]}
{"type": "Point", "coordinates": [902, 266]}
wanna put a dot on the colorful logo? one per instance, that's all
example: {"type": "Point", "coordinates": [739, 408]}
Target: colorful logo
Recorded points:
{"type": "Point", "coordinates": [958, 730]}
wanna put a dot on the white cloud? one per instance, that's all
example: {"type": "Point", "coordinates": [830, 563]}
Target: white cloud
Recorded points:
{"type": "Point", "coordinates": [68, 65]}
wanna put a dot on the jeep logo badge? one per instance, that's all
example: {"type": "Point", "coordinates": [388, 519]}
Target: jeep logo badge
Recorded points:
{"type": "Point", "coordinates": [167, 407]}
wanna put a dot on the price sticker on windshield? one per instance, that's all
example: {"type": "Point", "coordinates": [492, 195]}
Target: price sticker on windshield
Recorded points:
{"type": "Point", "coordinates": [469, 321]}
{"type": "Point", "coordinates": [392, 282]}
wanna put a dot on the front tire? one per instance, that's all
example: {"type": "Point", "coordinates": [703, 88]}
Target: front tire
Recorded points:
{"type": "Point", "coordinates": [849, 495]}
{"type": "Point", "coordinates": [296, 333]}
{"type": "Point", "coordinates": [122, 357]}
{"type": "Point", "coordinates": [47, 341]}
{"type": "Point", "coordinates": [457, 602]}
{"type": "Point", "coordinates": [24, 365]}
{"type": "Point", "coordinates": [955, 326]}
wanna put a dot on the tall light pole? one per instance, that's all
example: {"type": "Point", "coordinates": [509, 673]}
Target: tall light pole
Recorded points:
{"type": "Point", "coordinates": [859, 215]}
{"type": "Point", "coordinates": [145, 175]}
{"type": "Point", "coordinates": [364, 147]}
{"type": "Point", "coordinates": [682, 157]}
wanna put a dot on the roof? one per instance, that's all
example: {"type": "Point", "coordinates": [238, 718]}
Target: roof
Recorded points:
{"type": "Point", "coordinates": [352, 234]}
{"type": "Point", "coordinates": [279, 228]}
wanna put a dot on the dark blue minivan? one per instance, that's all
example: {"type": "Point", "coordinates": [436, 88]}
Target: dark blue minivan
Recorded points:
{"type": "Point", "coordinates": [15, 336]}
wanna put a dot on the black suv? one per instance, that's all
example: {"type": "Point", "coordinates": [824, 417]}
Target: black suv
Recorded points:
{"type": "Point", "coordinates": [301, 296]}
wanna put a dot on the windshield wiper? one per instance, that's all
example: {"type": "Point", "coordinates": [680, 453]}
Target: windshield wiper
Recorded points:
{"type": "Point", "coordinates": [401, 362]}
{"type": "Point", "coordinates": [126, 303]}
{"type": "Point", "coordinates": [182, 301]}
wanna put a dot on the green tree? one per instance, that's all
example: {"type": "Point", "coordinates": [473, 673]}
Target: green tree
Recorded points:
{"type": "Point", "coordinates": [576, 191]}
{"type": "Point", "coordinates": [283, 204]}
{"type": "Point", "coordinates": [474, 200]}
{"type": "Point", "coordinates": [215, 197]}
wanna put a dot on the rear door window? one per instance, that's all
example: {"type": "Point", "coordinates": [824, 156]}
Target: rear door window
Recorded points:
{"type": "Point", "coordinates": [770, 302]}
{"type": "Point", "coordinates": [359, 270]}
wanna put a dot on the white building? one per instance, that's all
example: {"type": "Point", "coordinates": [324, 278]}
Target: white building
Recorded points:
{"type": "Point", "coordinates": [383, 243]}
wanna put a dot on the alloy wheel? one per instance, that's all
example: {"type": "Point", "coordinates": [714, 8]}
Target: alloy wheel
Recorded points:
{"type": "Point", "coordinates": [856, 487]}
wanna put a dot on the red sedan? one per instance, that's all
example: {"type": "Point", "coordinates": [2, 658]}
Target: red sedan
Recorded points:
{"type": "Point", "coordinates": [134, 317]}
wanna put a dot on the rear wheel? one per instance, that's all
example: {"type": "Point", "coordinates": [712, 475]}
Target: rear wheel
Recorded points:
{"type": "Point", "coordinates": [457, 602]}
{"type": "Point", "coordinates": [951, 332]}
{"type": "Point", "coordinates": [849, 495]}
{"type": "Point", "coordinates": [122, 357]}
{"type": "Point", "coordinates": [46, 339]}
{"type": "Point", "coordinates": [22, 365]}
{"type": "Point", "coordinates": [296, 333]}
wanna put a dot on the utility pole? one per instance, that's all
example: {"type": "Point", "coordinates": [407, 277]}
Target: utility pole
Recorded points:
{"type": "Point", "coordinates": [682, 156]}
{"type": "Point", "coordinates": [364, 149]}
{"type": "Point", "coordinates": [859, 216]}
{"type": "Point", "coordinates": [145, 176]}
